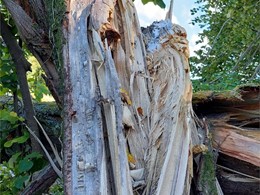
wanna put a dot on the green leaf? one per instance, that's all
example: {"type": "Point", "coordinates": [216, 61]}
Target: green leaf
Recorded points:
{"type": "Point", "coordinates": [230, 27]}
{"type": "Point", "coordinates": [8, 143]}
{"type": "Point", "coordinates": [6, 115]}
{"type": "Point", "coordinates": [146, 1]}
{"type": "Point", "coordinates": [13, 159]}
{"type": "Point", "coordinates": [24, 165]}
{"type": "Point", "coordinates": [160, 3]}
{"type": "Point", "coordinates": [19, 181]}
{"type": "Point", "coordinates": [18, 140]}
{"type": "Point", "coordinates": [3, 91]}
{"type": "Point", "coordinates": [33, 155]}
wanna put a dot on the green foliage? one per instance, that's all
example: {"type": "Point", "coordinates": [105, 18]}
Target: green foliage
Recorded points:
{"type": "Point", "coordinates": [56, 188]}
{"type": "Point", "coordinates": [11, 117]}
{"type": "Point", "coordinates": [8, 122]}
{"type": "Point", "coordinates": [160, 3]}
{"type": "Point", "coordinates": [24, 165]}
{"type": "Point", "coordinates": [17, 163]}
{"type": "Point", "coordinates": [56, 11]}
{"type": "Point", "coordinates": [36, 83]}
{"type": "Point", "coordinates": [20, 164]}
{"type": "Point", "coordinates": [16, 173]}
{"type": "Point", "coordinates": [8, 78]}
{"type": "Point", "coordinates": [231, 57]}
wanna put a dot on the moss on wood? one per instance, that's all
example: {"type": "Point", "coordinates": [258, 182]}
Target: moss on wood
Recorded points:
{"type": "Point", "coordinates": [228, 95]}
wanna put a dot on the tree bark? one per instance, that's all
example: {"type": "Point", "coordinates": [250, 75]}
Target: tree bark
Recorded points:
{"type": "Point", "coordinates": [22, 65]}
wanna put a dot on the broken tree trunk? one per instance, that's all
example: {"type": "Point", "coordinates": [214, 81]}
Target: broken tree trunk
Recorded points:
{"type": "Point", "coordinates": [104, 62]}
{"type": "Point", "coordinates": [169, 160]}
{"type": "Point", "coordinates": [102, 52]}
{"type": "Point", "coordinates": [95, 157]}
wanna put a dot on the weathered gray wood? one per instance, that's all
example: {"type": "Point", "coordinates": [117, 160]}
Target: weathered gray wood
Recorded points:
{"type": "Point", "coordinates": [84, 157]}
{"type": "Point", "coordinates": [95, 108]}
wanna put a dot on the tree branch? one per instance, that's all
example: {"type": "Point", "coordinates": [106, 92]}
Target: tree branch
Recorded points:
{"type": "Point", "coordinates": [22, 65]}
{"type": "Point", "coordinates": [38, 43]}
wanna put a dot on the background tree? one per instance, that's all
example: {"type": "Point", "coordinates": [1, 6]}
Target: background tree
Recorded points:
{"type": "Point", "coordinates": [231, 57]}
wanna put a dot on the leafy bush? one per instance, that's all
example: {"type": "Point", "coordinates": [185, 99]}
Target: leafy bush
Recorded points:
{"type": "Point", "coordinates": [16, 173]}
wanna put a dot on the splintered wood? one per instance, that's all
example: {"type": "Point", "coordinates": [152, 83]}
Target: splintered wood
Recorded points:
{"type": "Point", "coordinates": [234, 120]}
{"type": "Point", "coordinates": [170, 110]}
{"type": "Point", "coordinates": [132, 129]}
{"type": "Point", "coordinates": [234, 116]}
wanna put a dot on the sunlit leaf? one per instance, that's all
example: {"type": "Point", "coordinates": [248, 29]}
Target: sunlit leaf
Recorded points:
{"type": "Point", "coordinates": [230, 56]}
{"type": "Point", "coordinates": [13, 159]}
{"type": "Point", "coordinates": [33, 155]}
{"type": "Point", "coordinates": [19, 140]}
{"type": "Point", "coordinates": [160, 3]}
{"type": "Point", "coordinates": [125, 96]}
{"type": "Point", "coordinates": [6, 115]}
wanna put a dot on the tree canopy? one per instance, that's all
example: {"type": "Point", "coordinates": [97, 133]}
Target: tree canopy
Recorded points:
{"type": "Point", "coordinates": [231, 56]}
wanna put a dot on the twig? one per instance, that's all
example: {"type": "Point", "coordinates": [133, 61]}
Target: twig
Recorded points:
{"type": "Point", "coordinates": [215, 40]}
{"type": "Point", "coordinates": [50, 142]}
{"type": "Point", "coordinates": [234, 171]}
{"type": "Point", "coordinates": [55, 168]}
{"type": "Point", "coordinates": [244, 53]}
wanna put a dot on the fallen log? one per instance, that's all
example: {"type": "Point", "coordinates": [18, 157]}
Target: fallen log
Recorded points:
{"type": "Point", "coordinates": [41, 183]}
{"type": "Point", "coordinates": [233, 117]}
{"type": "Point", "coordinates": [233, 143]}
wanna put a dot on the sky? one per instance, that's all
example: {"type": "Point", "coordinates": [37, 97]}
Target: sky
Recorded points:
{"type": "Point", "coordinates": [181, 15]}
